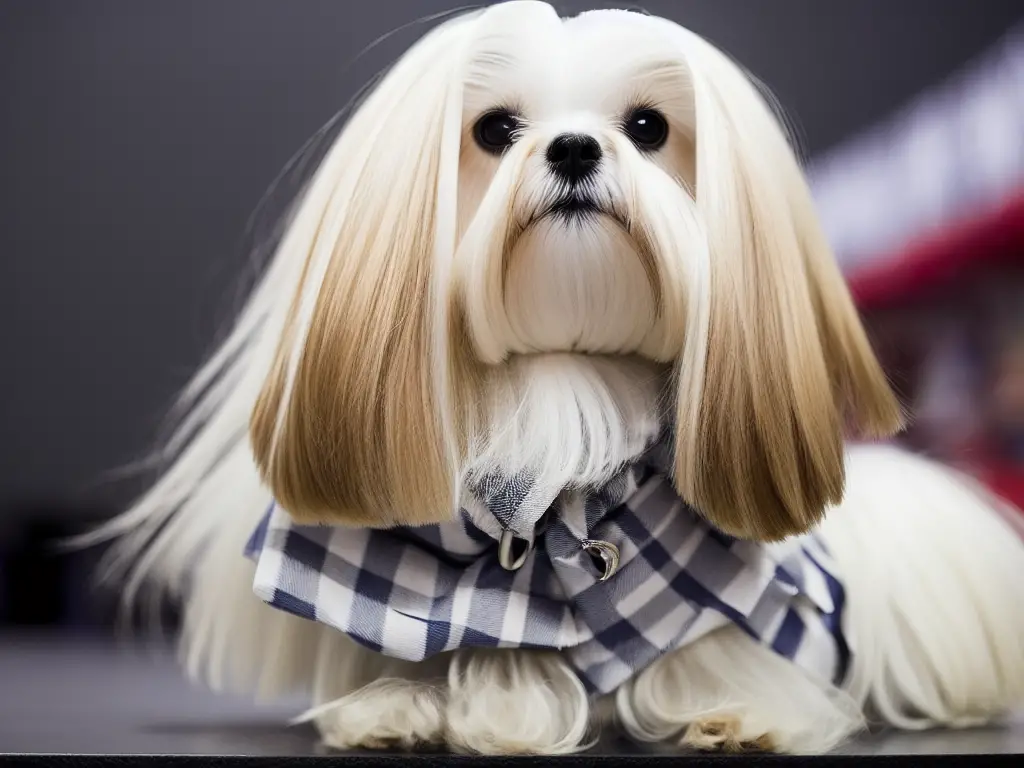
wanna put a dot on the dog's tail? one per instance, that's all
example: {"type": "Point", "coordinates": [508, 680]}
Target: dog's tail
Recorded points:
{"type": "Point", "coordinates": [934, 568]}
{"type": "Point", "coordinates": [185, 536]}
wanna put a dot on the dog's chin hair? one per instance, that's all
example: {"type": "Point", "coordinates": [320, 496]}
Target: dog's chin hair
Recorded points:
{"type": "Point", "coordinates": [566, 420]}
{"type": "Point", "coordinates": [577, 281]}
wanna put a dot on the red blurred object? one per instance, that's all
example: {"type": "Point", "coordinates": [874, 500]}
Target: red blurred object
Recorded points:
{"type": "Point", "coordinates": [926, 213]}
{"type": "Point", "coordinates": [961, 291]}
{"type": "Point", "coordinates": [987, 239]}
{"type": "Point", "coordinates": [947, 316]}
{"type": "Point", "coordinates": [1005, 479]}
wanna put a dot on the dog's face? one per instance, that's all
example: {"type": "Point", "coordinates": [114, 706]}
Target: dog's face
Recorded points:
{"type": "Point", "coordinates": [518, 184]}
{"type": "Point", "coordinates": [567, 133]}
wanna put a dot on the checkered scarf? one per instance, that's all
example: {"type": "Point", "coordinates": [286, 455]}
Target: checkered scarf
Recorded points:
{"type": "Point", "coordinates": [414, 592]}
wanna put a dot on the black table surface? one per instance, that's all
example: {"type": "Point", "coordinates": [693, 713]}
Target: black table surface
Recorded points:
{"type": "Point", "coordinates": [89, 697]}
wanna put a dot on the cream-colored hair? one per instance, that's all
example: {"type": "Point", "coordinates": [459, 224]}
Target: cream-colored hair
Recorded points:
{"type": "Point", "coordinates": [367, 415]}
{"type": "Point", "coordinates": [787, 366]}
{"type": "Point", "coordinates": [354, 424]}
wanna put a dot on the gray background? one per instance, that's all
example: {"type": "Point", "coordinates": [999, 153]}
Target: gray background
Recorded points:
{"type": "Point", "coordinates": [137, 136]}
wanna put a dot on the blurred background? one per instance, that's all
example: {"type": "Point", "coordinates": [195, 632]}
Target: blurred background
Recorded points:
{"type": "Point", "coordinates": [138, 137]}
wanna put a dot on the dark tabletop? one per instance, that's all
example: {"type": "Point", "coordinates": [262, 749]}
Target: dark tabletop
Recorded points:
{"type": "Point", "coordinates": [88, 696]}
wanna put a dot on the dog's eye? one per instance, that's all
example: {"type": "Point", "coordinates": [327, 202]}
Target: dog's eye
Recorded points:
{"type": "Point", "coordinates": [647, 128]}
{"type": "Point", "coordinates": [496, 131]}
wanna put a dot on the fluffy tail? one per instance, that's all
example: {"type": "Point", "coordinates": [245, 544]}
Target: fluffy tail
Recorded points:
{"type": "Point", "coordinates": [934, 567]}
{"type": "Point", "coordinates": [186, 535]}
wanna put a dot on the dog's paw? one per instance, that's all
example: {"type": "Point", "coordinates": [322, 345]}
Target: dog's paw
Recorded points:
{"type": "Point", "coordinates": [515, 703]}
{"type": "Point", "coordinates": [724, 733]}
{"type": "Point", "coordinates": [386, 715]}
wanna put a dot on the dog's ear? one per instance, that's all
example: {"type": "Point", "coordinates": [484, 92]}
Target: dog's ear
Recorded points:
{"type": "Point", "coordinates": [786, 365]}
{"type": "Point", "coordinates": [353, 425]}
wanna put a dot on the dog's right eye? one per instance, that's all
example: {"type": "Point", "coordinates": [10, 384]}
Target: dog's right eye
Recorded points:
{"type": "Point", "coordinates": [496, 131]}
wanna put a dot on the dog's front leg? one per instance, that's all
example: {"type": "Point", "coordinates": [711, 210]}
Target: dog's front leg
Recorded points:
{"type": "Point", "coordinates": [515, 702]}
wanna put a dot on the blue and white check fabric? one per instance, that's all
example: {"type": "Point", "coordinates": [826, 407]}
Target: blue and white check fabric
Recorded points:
{"type": "Point", "coordinates": [414, 592]}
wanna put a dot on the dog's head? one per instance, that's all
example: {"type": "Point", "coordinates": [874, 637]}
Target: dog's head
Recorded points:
{"type": "Point", "coordinates": [520, 184]}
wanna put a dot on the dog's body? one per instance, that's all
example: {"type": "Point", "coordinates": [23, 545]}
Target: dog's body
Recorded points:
{"type": "Point", "coordinates": [540, 280]}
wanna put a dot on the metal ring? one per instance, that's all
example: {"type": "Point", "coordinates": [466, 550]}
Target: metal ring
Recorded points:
{"type": "Point", "coordinates": [505, 552]}
{"type": "Point", "coordinates": [608, 553]}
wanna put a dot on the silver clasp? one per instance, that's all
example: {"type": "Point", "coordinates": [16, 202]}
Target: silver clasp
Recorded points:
{"type": "Point", "coordinates": [505, 552]}
{"type": "Point", "coordinates": [608, 553]}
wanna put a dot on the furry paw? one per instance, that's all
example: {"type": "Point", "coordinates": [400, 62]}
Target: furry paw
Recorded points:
{"type": "Point", "coordinates": [388, 714]}
{"type": "Point", "coordinates": [724, 734]}
{"type": "Point", "coordinates": [515, 703]}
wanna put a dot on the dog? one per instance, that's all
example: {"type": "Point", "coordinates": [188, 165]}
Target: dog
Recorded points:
{"type": "Point", "coordinates": [552, 414]}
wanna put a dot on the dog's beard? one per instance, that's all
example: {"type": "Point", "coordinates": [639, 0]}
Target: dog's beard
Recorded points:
{"type": "Point", "coordinates": [575, 283]}
{"type": "Point", "coordinates": [566, 421]}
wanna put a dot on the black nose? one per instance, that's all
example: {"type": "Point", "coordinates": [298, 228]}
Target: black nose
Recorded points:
{"type": "Point", "coordinates": [574, 156]}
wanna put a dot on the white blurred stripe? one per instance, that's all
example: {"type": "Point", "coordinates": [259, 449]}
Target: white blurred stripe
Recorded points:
{"type": "Point", "coordinates": [955, 151]}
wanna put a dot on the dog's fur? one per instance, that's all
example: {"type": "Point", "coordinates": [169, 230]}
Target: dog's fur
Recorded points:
{"type": "Point", "coordinates": [427, 316]}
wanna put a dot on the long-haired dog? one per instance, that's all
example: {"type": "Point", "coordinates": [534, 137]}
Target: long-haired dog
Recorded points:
{"type": "Point", "coordinates": [539, 250]}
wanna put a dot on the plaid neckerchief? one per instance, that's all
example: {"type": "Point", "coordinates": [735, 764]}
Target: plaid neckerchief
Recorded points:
{"type": "Point", "coordinates": [413, 592]}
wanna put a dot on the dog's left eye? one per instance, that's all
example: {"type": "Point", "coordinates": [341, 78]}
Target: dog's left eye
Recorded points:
{"type": "Point", "coordinates": [647, 128]}
{"type": "Point", "coordinates": [496, 131]}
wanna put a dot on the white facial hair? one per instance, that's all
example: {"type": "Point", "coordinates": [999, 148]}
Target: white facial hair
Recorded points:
{"type": "Point", "coordinates": [578, 285]}
{"type": "Point", "coordinates": [566, 420]}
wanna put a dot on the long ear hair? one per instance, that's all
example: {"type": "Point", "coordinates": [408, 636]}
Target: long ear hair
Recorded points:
{"type": "Point", "coordinates": [784, 363]}
{"type": "Point", "coordinates": [354, 424]}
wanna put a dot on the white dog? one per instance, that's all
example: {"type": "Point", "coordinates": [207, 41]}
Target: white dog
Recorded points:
{"type": "Point", "coordinates": [554, 277]}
